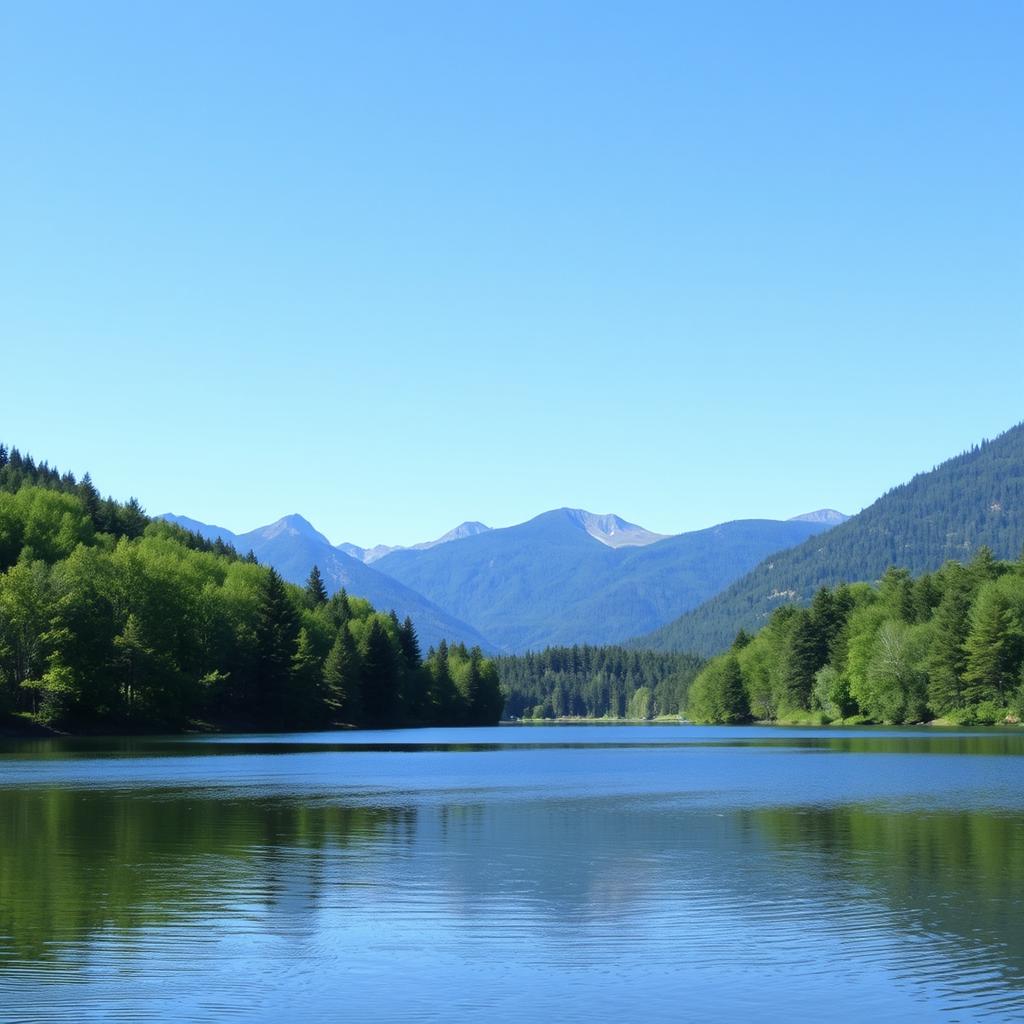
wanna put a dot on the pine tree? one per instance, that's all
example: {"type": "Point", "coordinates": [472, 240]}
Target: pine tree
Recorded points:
{"type": "Point", "coordinates": [316, 592]}
{"type": "Point", "coordinates": [741, 640]}
{"type": "Point", "coordinates": [339, 609]}
{"type": "Point", "coordinates": [443, 697]}
{"type": "Point", "coordinates": [381, 694]}
{"type": "Point", "coordinates": [947, 659]}
{"type": "Point", "coordinates": [735, 705]}
{"type": "Point", "coordinates": [276, 634]}
{"type": "Point", "coordinates": [993, 648]}
{"type": "Point", "coordinates": [90, 498]}
{"type": "Point", "coordinates": [807, 654]}
{"type": "Point", "coordinates": [305, 697]}
{"type": "Point", "coordinates": [342, 678]}
{"type": "Point", "coordinates": [409, 643]}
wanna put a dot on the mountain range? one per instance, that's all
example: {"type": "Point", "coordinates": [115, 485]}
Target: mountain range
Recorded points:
{"type": "Point", "coordinates": [293, 546]}
{"type": "Point", "coordinates": [566, 576]}
{"type": "Point", "coordinates": [974, 499]}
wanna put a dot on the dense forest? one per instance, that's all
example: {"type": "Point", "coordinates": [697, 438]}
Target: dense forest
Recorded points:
{"type": "Point", "coordinates": [947, 645]}
{"type": "Point", "coordinates": [109, 620]}
{"type": "Point", "coordinates": [595, 682]}
{"type": "Point", "coordinates": [975, 499]}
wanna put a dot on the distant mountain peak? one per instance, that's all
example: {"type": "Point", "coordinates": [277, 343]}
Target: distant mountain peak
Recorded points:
{"type": "Point", "coordinates": [612, 530]}
{"type": "Point", "coordinates": [822, 515]}
{"type": "Point", "coordinates": [294, 525]}
{"type": "Point", "coordinates": [468, 529]}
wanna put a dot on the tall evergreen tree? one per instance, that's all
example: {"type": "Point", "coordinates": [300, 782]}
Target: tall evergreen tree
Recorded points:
{"type": "Point", "coordinates": [947, 658]}
{"type": "Point", "coordinates": [316, 592]}
{"type": "Point", "coordinates": [807, 653]}
{"type": "Point", "coordinates": [276, 634]}
{"type": "Point", "coordinates": [305, 693]}
{"type": "Point", "coordinates": [90, 498]}
{"type": "Point", "coordinates": [343, 679]}
{"type": "Point", "coordinates": [993, 648]}
{"type": "Point", "coordinates": [409, 643]}
{"type": "Point", "coordinates": [381, 694]}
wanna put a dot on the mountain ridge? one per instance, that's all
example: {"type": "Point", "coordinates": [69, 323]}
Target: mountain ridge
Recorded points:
{"type": "Point", "coordinates": [549, 581]}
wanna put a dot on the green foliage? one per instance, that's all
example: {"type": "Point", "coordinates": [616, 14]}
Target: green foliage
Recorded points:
{"type": "Point", "coordinates": [970, 505]}
{"type": "Point", "coordinates": [316, 591]}
{"type": "Point", "coordinates": [718, 694]}
{"type": "Point", "coordinates": [949, 645]}
{"type": "Point", "coordinates": [593, 682]}
{"type": "Point", "coordinates": [108, 620]}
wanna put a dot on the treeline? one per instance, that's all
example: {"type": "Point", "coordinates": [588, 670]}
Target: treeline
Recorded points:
{"type": "Point", "coordinates": [110, 620]}
{"type": "Point", "coordinates": [947, 645]}
{"type": "Point", "coordinates": [595, 682]}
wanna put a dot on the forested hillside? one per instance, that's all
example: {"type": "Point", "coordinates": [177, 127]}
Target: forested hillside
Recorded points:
{"type": "Point", "coordinates": [110, 620]}
{"type": "Point", "coordinates": [948, 645]}
{"type": "Point", "coordinates": [293, 546]}
{"type": "Point", "coordinates": [595, 682]}
{"type": "Point", "coordinates": [973, 500]}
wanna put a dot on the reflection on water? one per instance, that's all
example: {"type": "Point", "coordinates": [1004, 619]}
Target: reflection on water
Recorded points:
{"type": "Point", "coordinates": [576, 873]}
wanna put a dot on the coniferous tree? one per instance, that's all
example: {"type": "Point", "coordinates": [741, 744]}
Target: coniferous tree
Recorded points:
{"type": "Point", "coordinates": [735, 705]}
{"type": "Point", "coordinates": [316, 592]}
{"type": "Point", "coordinates": [305, 695]}
{"type": "Point", "coordinates": [741, 640]}
{"type": "Point", "coordinates": [947, 660]}
{"type": "Point", "coordinates": [342, 678]}
{"type": "Point", "coordinates": [806, 656]}
{"type": "Point", "coordinates": [381, 694]}
{"type": "Point", "coordinates": [339, 609]}
{"type": "Point", "coordinates": [90, 498]}
{"type": "Point", "coordinates": [993, 648]}
{"type": "Point", "coordinates": [276, 634]}
{"type": "Point", "coordinates": [410, 643]}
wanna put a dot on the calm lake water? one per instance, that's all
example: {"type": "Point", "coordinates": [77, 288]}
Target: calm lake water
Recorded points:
{"type": "Point", "coordinates": [572, 873]}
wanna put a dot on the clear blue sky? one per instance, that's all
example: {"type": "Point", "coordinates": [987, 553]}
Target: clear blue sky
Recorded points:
{"type": "Point", "coordinates": [396, 265]}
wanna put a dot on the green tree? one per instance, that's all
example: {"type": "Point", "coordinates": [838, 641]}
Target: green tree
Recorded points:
{"type": "Point", "coordinates": [276, 633]}
{"type": "Point", "coordinates": [947, 658]}
{"type": "Point", "coordinates": [342, 677]}
{"type": "Point", "coordinates": [381, 694]}
{"type": "Point", "coordinates": [718, 695]}
{"type": "Point", "coordinates": [994, 646]}
{"type": "Point", "coordinates": [316, 592]}
{"type": "Point", "coordinates": [641, 705]}
{"type": "Point", "coordinates": [305, 695]}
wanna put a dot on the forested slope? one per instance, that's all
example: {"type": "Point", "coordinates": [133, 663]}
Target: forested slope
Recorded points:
{"type": "Point", "coordinates": [111, 621]}
{"type": "Point", "coordinates": [973, 500]}
{"type": "Point", "coordinates": [947, 645]}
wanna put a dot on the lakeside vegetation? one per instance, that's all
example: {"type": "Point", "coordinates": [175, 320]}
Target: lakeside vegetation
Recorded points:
{"type": "Point", "coordinates": [947, 645]}
{"type": "Point", "coordinates": [586, 682]}
{"type": "Point", "coordinates": [972, 501]}
{"type": "Point", "coordinates": [109, 620]}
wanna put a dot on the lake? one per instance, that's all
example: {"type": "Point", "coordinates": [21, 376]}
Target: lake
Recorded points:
{"type": "Point", "coordinates": [516, 873]}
